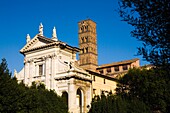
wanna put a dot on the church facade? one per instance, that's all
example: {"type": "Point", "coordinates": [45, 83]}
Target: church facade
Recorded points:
{"type": "Point", "coordinates": [53, 63]}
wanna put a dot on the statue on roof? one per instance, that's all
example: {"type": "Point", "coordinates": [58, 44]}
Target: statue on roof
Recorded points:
{"type": "Point", "coordinates": [28, 38]}
{"type": "Point", "coordinates": [54, 37]}
{"type": "Point", "coordinates": [41, 29]}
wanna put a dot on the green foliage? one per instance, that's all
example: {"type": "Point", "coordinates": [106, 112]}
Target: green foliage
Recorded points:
{"type": "Point", "coordinates": [150, 86]}
{"type": "Point", "coordinates": [139, 91]}
{"type": "Point", "coordinates": [117, 104]}
{"type": "Point", "coordinates": [150, 19]}
{"type": "Point", "coordinates": [16, 98]}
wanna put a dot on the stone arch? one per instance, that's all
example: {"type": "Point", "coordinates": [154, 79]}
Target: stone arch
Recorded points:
{"type": "Point", "coordinates": [80, 99]}
{"type": "Point", "coordinates": [65, 97]}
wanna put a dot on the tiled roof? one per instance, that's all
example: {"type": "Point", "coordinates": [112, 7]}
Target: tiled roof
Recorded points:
{"type": "Point", "coordinates": [118, 63]}
{"type": "Point", "coordinates": [101, 75]}
{"type": "Point", "coordinates": [45, 38]}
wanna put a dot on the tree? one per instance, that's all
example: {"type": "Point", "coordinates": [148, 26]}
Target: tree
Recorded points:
{"type": "Point", "coordinates": [17, 98]}
{"type": "Point", "coordinates": [150, 19]}
{"type": "Point", "coordinates": [150, 86]}
{"type": "Point", "coordinates": [117, 104]}
{"type": "Point", "coordinates": [9, 90]}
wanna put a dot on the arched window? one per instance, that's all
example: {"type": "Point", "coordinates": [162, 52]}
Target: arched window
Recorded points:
{"type": "Point", "coordinates": [82, 28]}
{"type": "Point", "coordinates": [87, 39]}
{"type": "Point", "coordinates": [79, 98]}
{"type": "Point", "coordinates": [87, 50]}
{"type": "Point", "coordinates": [82, 39]}
{"type": "Point", "coordinates": [83, 50]}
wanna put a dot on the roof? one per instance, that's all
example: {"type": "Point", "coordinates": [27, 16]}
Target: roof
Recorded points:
{"type": "Point", "coordinates": [47, 42]}
{"type": "Point", "coordinates": [118, 63]}
{"type": "Point", "coordinates": [100, 75]}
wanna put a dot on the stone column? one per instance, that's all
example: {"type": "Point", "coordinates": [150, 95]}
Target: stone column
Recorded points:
{"type": "Point", "coordinates": [72, 96]}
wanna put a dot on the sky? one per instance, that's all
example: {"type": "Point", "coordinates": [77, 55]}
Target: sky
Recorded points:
{"type": "Point", "coordinates": [21, 17]}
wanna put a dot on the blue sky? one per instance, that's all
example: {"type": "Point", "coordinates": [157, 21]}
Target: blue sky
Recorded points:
{"type": "Point", "coordinates": [21, 17]}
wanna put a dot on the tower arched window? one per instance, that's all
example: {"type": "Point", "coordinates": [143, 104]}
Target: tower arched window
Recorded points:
{"type": "Point", "coordinates": [82, 28]}
{"type": "Point", "coordinates": [82, 39]}
{"type": "Point", "coordinates": [83, 50]}
{"type": "Point", "coordinates": [87, 50]}
{"type": "Point", "coordinates": [87, 39]}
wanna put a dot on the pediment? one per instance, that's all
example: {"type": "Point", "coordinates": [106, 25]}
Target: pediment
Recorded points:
{"type": "Point", "coordinates": [36, 42]}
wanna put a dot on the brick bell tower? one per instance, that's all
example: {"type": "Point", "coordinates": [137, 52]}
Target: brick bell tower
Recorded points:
{"type": "Point", "coordinates": [88, 56]}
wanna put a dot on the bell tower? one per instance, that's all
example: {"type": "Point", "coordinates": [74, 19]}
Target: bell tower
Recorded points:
{"type": "Point", "coordinates": [88, 44]}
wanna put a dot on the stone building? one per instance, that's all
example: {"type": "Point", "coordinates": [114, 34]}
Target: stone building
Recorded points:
{"type": "Point", "coordinates": [88, 45]}
{"type": "Point", "coordinates": [117, 69]}
{"type": "Point", "coordinates": [53, 63]}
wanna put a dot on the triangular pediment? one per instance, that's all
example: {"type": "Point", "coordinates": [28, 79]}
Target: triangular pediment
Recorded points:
{"type": "Point", "coordinates": [36, 42]}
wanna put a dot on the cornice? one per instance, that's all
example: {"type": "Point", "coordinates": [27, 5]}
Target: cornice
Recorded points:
{"type": "Point", "coordinates": [51, 43]}
{"type": "Point", "coordinates": [73, 76]}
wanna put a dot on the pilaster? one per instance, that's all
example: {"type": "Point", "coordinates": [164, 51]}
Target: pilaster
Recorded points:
{"type": "Point", "coordinates": [53, 70]}
{"type": "Point", "coordinates": [26, 71]}
{"type": "Point", "coordinates": [31, 72]}
{"type": "Point", "coordinates": [88, 98]}
{"type": "Point", "coordinates": [47, 73]}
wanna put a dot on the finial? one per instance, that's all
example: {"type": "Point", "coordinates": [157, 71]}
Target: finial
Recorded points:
{"type": "Point", "coordinates": [28, 38]}
{"type": "Point", "coordinates": [54, 34]}
{"type": "Point", "coordinates": [41, 29]}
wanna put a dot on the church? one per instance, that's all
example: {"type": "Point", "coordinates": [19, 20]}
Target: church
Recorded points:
{"type": "Point", "coordinates": [53, 63]}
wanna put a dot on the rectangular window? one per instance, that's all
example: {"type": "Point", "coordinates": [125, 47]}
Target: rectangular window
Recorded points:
{"type": "Point", "coordinates": [94, 78]}
{"type": "Point", "coordinates": [102, 92]}
{"type": "Point", "coordinates": [104, 81]}
{"type": "Point", "coordinates": [101, 71]}
{"type": "Point", "coordinates": [94, 91]}
{"type": "Point", "coordinates": [116, 68]}
{"type": "Point", "coordinates": [40, 69]}
{"type": "Point", "coordinates": [108, 70]}
{"type": "Point", "coordinates": [125, 67]}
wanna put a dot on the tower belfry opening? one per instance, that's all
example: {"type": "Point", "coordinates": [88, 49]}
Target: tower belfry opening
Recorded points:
{"type": "Point", "coordinates": [88, 44]}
